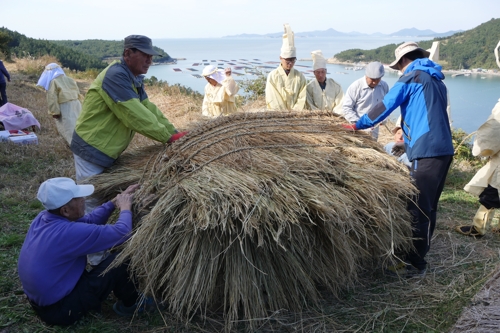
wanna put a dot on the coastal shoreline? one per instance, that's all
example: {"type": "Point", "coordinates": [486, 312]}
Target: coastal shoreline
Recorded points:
{"type": "Point", "coordinates": [334, 61]}
{"type": "Point", "coordinates": [386, 66]}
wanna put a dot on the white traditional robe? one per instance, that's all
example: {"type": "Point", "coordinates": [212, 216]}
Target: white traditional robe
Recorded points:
{"type": "Point", "coordinates": [329, 99]}
{"type": "Point", "coordinates": [487, 143]}
{"type": "Point", "coordinates": [220, 99]}
{"type": "Point", "coordinates": [63, 100]}
{"type": "Point", "coordinates": [286, 92]}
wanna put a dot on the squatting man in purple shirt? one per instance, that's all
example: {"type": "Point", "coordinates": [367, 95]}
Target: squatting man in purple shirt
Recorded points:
{"type": "Point", "coordinates": [53, 258]}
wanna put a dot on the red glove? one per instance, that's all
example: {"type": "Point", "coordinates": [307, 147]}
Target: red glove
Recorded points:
{"type": "Point", "coordinates": [350, 127]}
{"type": "Point", "coordinates": [176, 136]}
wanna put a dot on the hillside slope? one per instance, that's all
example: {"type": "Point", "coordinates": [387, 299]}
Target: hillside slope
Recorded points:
{"type": "Point", "coordinates": [76, 55]}
{"type": "Point", "coordinates": [469, 49]}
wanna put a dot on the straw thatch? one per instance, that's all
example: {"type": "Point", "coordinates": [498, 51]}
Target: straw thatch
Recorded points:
{"type": "Point", "coordinates": [249, 214]}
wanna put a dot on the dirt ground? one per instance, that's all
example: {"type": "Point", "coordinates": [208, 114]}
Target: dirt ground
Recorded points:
{"type": "Point", "coordinates": [483, 314]}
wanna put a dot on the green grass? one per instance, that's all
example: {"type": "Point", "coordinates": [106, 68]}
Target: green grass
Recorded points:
{"type": "Point", "coordinates": [379, 304]}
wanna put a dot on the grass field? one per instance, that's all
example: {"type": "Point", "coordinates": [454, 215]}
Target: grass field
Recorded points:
{"type": "Point", "coordinates": [459, 265]}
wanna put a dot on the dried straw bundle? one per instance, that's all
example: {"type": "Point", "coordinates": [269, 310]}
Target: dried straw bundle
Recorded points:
{"type": "Point", "coordinates": [249, 213]}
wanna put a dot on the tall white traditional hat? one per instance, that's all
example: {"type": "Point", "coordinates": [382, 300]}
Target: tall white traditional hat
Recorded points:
{"type": "Point", "coordinates": [288, 49]}
{"type": "Point", "coordinates": [318, 60]}
{"type": "Point", "coordinates": [434, 52]}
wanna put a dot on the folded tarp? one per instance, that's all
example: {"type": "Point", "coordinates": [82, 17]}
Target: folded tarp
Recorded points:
{"type": "Point", "coordinates": [16, 117]}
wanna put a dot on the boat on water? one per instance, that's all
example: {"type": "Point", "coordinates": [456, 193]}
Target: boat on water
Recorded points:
{"type": "Point", "coordinates": [354, 68]}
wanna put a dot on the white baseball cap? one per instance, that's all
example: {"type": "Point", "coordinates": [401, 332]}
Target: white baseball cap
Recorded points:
{"type": "Point", "coordinates": [56, 192]}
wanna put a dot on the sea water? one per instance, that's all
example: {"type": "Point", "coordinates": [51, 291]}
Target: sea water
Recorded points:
{"type": "Point", "coordinates": [471, 97]}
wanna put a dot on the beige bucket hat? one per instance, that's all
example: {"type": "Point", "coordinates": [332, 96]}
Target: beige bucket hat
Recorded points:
{"type": "Point", "coordinates": [405, 48]}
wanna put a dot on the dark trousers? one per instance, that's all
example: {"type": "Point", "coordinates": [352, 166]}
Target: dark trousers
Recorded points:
{"type": "Point", "coordinates": [429, 175]}
{"type": "Point", "coordinates": [3, 93]}
{"type": "Point", "coordinates": [89, 292]}
{"type": "Point", "coordinates": [489, 198]}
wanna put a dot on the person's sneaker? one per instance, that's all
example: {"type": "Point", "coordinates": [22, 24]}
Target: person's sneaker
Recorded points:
{"type": "Point", "coordinates": [405, 270]}
{"type": "Point", "coordinates": [413, 272]}
{"type": "Point", "coordinates": [398, 270]}
{"type": "Point", "coordinates": [124, 311]}
{"type": "Point", "coordinates": [145, 305]}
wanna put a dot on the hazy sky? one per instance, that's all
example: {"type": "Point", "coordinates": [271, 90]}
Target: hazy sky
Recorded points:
{"type": "Point", "coordinates": [113, 19]}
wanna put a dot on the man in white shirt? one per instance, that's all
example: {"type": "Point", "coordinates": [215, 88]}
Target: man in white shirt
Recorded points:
{"type": "Point", "coordinates": [365, 93]}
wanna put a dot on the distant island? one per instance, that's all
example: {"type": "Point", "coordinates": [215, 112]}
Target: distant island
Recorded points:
{"type": "Point", "coordinates": [412, 32]}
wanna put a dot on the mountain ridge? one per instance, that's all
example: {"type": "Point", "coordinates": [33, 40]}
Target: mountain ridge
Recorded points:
{"type": "Point", "coordinates": [413, 32]}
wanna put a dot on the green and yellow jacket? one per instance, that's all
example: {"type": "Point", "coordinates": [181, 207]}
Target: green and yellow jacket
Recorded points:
{"type": "Point", "coordinates": [115, 108]}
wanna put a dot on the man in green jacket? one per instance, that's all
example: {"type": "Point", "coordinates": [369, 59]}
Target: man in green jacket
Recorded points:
{"type": "Point", "coordinates": [115, 108]}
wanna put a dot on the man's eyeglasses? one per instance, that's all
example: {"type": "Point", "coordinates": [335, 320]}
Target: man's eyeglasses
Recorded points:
{"type": "Point", "coordinates": [290, 60]}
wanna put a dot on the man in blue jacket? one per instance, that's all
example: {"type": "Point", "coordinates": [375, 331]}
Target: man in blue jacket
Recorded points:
{"type": "Point", "coordinates": [53, 258]}
{"type": "Point", "coordinates": [421, 95]}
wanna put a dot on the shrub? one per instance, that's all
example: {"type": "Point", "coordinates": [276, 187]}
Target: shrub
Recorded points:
{"type": "Point", "coordinates": [254, 88]}
{"type": "Point", "coordinates": [172, 89]}
{"type": "Point", "coordinates": [462, 143]}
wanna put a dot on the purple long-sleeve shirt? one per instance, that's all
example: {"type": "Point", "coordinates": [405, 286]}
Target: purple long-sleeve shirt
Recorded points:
{"type": "Point", "coordinates": [54, 254]}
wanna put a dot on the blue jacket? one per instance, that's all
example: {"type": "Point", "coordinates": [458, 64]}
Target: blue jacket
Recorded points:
{"type": "Point", "coordinates": [54, 254]}
{"type": "Point", "coordinates": [3, 73]}
{"type": "Point", "coordinates": [421, 95]}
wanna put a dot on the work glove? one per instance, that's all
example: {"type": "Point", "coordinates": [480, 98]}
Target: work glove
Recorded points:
{"type": "Point", "coordinates": [350, 127]}
{"type": "Point", "coordinates": [398, 149]}
{"type": "Point", "coordinates": [176, 136]}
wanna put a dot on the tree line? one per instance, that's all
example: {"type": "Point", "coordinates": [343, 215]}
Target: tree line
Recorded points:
{"type": "Point", "coordinates": [104, 49]}
{"type": "Point", "coordinates": [75, 55]}
{"type": "Point", "coordinates": [469, 49]}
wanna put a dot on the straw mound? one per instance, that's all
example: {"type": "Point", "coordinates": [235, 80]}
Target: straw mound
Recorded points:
{"type": "Point", "coordinates": [248, 214]}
